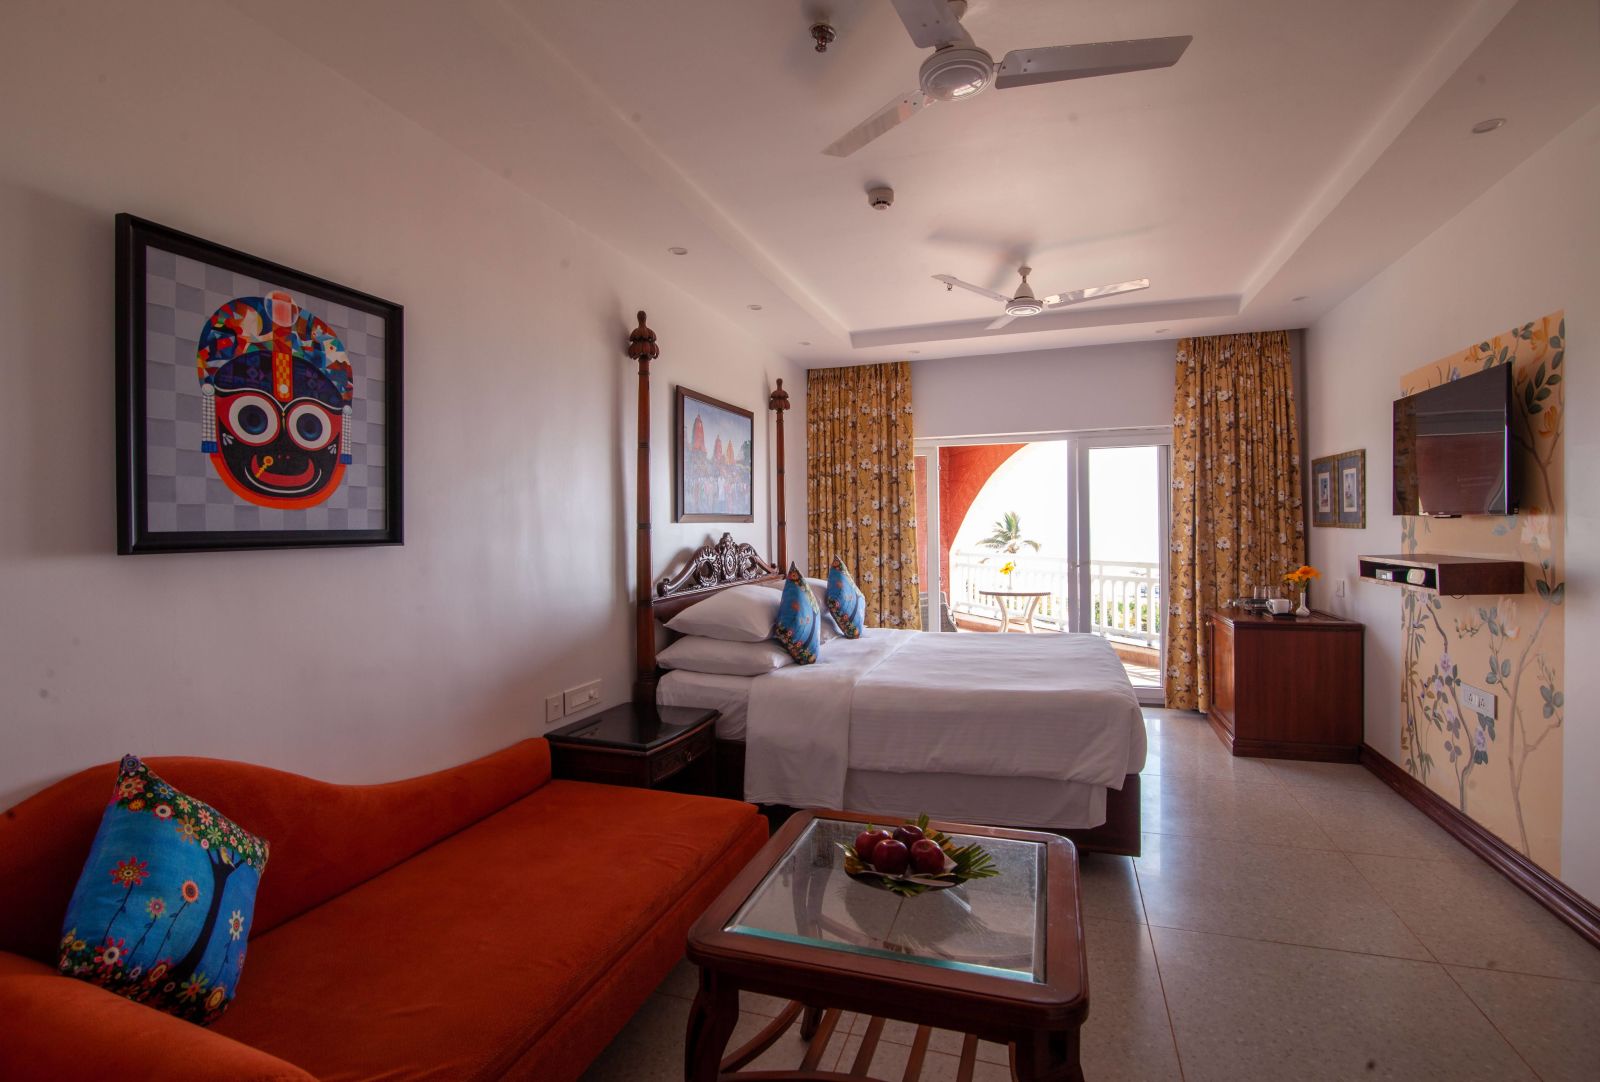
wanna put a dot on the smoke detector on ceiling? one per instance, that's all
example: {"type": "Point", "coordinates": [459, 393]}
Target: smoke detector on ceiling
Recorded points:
{"type": "Point", "coordinates": [881, 198]}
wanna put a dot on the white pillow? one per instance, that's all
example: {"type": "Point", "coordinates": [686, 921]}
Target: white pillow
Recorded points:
{"type": "Point", "coordinates": [819, 590]}
{"type": "Point", "coordinates": [696, 653]}
{"type": "Point", "coordinates": [742, 614]}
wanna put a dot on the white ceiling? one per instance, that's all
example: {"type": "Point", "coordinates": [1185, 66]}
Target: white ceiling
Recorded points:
{"type": "Point", "coordinates": [1296, 149]}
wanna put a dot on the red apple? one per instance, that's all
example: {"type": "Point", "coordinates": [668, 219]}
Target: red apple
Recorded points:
{"type": "Point", "coordinates": [891, 857]}
{"type": "Point", "coordinates": [867, 841]}
{"type": "Point", "coordinates": [926, 857]}
{"type": "Point", "coordinates": [907, 834]}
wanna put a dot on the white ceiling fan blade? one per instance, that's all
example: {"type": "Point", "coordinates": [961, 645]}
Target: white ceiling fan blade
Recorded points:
{"type": "Point", "coordinates": [897, 112]}
{"type": "Point", "coordinates": [930, 23]}
{"type": "Point", "coordinates": [1061, 300]}
{"type": "Point", "coordinates": [1001, 322]}
{"type": "Point", "coordinates": [1025, 67]}
{"type": "Point", "coordinates": [951, 280]}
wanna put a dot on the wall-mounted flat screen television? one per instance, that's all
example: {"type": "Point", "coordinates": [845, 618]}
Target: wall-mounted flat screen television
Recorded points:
{"type": "Point", "coordinates": [1452, 447]}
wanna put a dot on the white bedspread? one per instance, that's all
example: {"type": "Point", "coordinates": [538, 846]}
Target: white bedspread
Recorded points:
{"type": "Point", "coordinates": [797, 733]}
{"type": "Point", "coordinates": [1047, 706]}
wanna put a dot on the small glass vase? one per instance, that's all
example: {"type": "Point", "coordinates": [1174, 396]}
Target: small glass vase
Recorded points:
{"type": "Point", "coordinates": [1304, 609]}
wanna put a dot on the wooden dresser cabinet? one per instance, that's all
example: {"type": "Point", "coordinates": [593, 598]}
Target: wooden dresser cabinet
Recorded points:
{"type": "Point", "coordinates": [1286, 689]}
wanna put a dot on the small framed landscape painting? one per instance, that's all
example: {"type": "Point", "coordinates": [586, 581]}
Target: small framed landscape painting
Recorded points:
{"type": "Point", "coordinates": [257, 406]}
{"type": "Point", "coordinates": [716, 460]}
{"type": "Point", "coordinates": [1339, 490]}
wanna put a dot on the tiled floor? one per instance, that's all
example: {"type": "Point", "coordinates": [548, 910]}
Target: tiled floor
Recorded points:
{"type": "Point", "coordinates": [1287, 921]}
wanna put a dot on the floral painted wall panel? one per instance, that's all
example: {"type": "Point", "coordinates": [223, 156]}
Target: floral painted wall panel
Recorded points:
{"type": "Point", "coordinates": [1504, 771]}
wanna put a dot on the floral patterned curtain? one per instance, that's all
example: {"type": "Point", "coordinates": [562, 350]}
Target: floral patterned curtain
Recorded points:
{"type": "Point", "coordinates": [1237, 519]}
{"type": "Point", "coordinates": [861, 483]}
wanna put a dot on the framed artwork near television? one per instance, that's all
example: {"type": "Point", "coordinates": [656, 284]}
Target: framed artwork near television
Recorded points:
{"type": "Point", "coordinates": [715, 461]}
{"type": "Point", "coordinates": [257, 406]}
{"type": "Point", "coordinates": [1339, 490]}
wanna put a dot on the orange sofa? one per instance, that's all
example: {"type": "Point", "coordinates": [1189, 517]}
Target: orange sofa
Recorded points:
{"type": "Point", "coordinates": [481, 922]}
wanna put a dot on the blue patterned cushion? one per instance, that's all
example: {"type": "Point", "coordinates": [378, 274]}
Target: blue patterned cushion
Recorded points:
{"type": "Point", "coordinates": [845, 601]}
{"type": "Point", "coordinates": [164, 905]}
{"type": "Point", "coordinates": [799, 625]}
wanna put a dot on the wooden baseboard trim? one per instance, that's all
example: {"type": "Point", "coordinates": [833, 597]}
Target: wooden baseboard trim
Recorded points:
{"type": "Point", "coordinates": [1574, 910]}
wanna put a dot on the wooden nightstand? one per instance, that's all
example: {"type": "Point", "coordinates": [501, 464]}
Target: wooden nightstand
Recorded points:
{"type": "Point", "coordinates": [646, 746]}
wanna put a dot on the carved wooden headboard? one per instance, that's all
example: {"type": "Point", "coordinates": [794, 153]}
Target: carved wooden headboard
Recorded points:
{"type": "Point", "coordinates": [715, 566]}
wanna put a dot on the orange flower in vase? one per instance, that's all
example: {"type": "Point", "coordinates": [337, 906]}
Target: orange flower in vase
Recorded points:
{"type": "Point", "coordinates": [1300, 580]}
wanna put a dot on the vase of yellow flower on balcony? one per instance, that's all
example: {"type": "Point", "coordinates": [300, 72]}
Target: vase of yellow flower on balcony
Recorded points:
{"type": "Point", "coordinates": [1299, 580]}
{"type": "Point", "coordinates": [1006, 569]}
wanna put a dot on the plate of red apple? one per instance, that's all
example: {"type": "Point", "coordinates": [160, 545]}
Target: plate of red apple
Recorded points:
{"type": "Point", "coordinates": [913, 858]}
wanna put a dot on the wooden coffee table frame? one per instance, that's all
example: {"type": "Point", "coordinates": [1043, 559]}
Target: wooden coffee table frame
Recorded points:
{"type": "Point", "coordinates": [1039, 1021]}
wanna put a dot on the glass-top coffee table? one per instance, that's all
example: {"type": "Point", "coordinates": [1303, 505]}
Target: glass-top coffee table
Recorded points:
{"type": "Point", "coordinates": [999, 959]}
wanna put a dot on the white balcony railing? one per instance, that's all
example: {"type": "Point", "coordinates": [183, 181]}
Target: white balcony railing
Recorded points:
{"type": "Point", "coordinates": [1124, 598]}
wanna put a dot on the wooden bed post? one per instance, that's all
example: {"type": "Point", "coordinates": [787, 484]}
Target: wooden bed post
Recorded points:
{"type": "Point", "coordinates": [778, 403]}
{"type": "Point", "coordinates": [642, 348]}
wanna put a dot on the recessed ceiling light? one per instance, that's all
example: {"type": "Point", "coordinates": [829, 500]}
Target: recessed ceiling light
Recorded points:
{"type": "Point", "coordinates": [913, 351]}
{"type": "Point", "coordinates": [1162, 330]}
{"type": "Point", "coordinates": [1301, 297]}
{"type": "Point", "coordinates": [753, 307]}
{"type": "Point", "coordinates": [1483, 127]}
{"type": "Point", "coordinates": [805, 343]}
{"type": "Point", "coordinates": [675, 250]}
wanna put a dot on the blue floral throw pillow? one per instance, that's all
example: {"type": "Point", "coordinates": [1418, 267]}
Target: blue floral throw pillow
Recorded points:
{"type": "Point", "coordinates": [799, 625]}
{"type": "Point", "coordinates": [164, 905]}
{"type": "Point", "coordinates": [845, 601]}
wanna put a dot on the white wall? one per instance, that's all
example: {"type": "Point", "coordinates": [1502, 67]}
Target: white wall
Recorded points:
{"type": "Point", "coordinates": [1128, 385]}
{"type": "Point", "coordinates": [1528, 246]}
{"type": "Point", "coordinates": [356, 664]}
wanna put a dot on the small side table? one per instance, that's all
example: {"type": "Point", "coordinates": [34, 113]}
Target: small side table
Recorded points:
{"type": "Point", "coordinates": [999, 598]}
{"type": "Point", "coordinates": [642, 745]}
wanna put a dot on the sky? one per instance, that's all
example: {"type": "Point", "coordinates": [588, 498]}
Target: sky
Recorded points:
{"type": "Point", "coordinates": [1124, 502]}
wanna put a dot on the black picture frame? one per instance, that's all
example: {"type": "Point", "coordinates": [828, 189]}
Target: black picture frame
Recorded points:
{"type": "Point", "coordinates": [135, 239]}
{"type": "Point", "coordinates": [1339, 490]}
{"type": "Point", "coordinates": [685, 507]}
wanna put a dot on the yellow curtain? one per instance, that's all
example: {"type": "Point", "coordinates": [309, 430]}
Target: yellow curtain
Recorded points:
{"type": "Point", "coordinates": [1237, 520]}
{"type": "Point", "coordinates": [861, 480]}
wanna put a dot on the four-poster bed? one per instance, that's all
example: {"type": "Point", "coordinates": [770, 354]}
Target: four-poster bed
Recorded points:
{"type": "Point", "coordinates": [890, 664]}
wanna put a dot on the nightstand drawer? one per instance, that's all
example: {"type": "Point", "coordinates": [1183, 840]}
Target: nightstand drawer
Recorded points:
{"type": "Point", "coordinates": [674, 759]}
{"type": "Point", "coordinates": [670, 747]}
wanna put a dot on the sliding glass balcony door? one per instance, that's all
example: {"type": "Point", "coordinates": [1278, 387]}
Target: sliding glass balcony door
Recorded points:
{"type": "Point", "coordinates": [1121, 550]}
{"type": "Point", "coordinates": [1069, 529]}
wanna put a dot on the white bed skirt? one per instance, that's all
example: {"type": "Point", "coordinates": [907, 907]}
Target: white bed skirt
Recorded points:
{"type": "Point", "coordinates": [1029, 803]}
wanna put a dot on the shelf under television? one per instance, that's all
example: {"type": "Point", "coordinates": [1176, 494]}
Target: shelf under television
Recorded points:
{"type": "Point", "coordinates": [1453, 575]}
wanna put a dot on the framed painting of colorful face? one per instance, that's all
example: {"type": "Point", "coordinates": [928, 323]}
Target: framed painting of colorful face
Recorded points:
{"type": "Point", "coordinates": [257, 406]}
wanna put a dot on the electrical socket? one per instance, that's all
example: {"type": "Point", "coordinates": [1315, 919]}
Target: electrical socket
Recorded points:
{"type": "Point", "coordinates": [582, 697]}
{"type": "Point", "coordinates": [1477, 699]}
{"type": "Point", "coordinates": [553, 710]}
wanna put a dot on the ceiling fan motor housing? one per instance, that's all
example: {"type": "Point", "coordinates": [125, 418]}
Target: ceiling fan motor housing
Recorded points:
{"type": "Point", "coordinates": [954, 72]}
{"type": "Point", "coordinates": [1024, 303]}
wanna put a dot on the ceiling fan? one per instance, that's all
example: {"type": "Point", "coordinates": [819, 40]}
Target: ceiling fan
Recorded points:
{"type": "Point", "coordinates": [1026, 304]}
{"type": "Point", "coordinates": [958, 69]}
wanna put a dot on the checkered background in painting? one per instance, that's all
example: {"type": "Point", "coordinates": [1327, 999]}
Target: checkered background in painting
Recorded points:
{"type": "Point", "coordinates": [184, 492]}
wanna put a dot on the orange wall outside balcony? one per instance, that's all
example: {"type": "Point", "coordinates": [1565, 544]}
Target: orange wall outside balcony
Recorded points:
{"type": "Point", "coordinates": [963, 471]}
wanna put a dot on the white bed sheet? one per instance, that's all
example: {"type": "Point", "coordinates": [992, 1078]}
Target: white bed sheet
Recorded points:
{"type": "Point", "coordinates": [728, 695]}
{"type": "Point", "coordinates": [1003, 799]}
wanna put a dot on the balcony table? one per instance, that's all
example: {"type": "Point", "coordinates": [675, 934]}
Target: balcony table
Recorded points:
{"type": "Point", "coordinates": [999, 596]}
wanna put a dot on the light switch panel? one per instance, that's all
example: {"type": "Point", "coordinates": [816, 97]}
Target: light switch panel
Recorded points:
{"type": "Point", "coordinates": [583, 696]}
